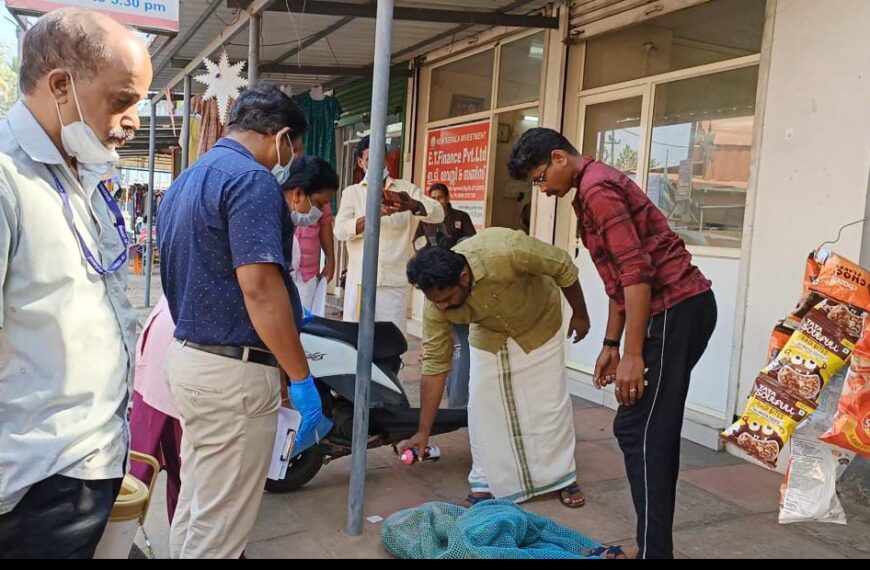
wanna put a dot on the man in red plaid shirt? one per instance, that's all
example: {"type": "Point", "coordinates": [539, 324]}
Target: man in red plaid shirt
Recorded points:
{"type": "Point", "coordinates": [659, 301]}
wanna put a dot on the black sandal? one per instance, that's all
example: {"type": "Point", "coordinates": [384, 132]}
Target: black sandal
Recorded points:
{"type": "Point", "coordinates": [471, 500]}
{"type": "Point", "coordinates": [607, 552]}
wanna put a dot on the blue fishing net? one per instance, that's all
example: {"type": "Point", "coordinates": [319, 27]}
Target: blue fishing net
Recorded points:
{"type": "Point", "coordinates": [491, 529]}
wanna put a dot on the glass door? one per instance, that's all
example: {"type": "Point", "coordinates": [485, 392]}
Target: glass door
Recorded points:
{"type": "Point", "coordinates": [612, 130]}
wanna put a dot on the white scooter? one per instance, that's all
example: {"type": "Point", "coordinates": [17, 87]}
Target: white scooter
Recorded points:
{"type": "Point", "coordinates": [331, 349]}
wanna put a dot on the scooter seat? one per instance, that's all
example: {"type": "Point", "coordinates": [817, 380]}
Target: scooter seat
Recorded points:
{"type": "Point", "coordinates": [389, 340]}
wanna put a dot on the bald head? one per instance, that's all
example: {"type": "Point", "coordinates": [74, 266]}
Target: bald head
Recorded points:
{"type": "Point", "coordinates": [80, 65]}
{"type": "Point", "coordinates": [78, 40]}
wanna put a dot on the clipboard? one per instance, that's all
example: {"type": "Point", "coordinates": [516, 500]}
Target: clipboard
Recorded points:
{"type": "Point", "coordinates": [289, 421]}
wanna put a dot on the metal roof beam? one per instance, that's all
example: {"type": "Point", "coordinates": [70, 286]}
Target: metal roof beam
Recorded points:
{"type": "Point", "coordinates": [474, 18]}
{"type": "Point", "coordinates": [179, 42]}
{"type": "Point", "coordinates": [313, 39]}
{"type": "Point", "coordinates": [291, 69]}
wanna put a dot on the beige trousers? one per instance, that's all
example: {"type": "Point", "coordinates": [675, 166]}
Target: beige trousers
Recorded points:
{"type": "Point", "coordinates": [229, 413]}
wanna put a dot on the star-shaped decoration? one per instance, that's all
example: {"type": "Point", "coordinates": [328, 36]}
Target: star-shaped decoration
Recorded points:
{"type": "Point", "coordinates": [224, 83]}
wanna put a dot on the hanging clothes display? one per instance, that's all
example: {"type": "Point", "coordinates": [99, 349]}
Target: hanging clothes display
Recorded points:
{"type": "Point", "coordinates": [211, 128]}
{"type": "Point", "coordinates": [321, 112]}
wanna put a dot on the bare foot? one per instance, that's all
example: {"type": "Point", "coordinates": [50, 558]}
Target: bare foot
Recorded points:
{"type": "Point", "coordinates": [614, 552]}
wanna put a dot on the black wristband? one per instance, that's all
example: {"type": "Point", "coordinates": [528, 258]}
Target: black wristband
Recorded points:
{"type": "Point", "coordinates": [611, 343]}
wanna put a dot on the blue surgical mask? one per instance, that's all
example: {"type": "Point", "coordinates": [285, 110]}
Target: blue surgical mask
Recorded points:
{"type": "Point", "coordinates": [281, 173]}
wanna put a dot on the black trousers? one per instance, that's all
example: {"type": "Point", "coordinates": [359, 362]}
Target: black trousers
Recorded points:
{"type": "Point", "coordinates": [59, 517]}
{"type": "Point", "coordinates": [649, 432]}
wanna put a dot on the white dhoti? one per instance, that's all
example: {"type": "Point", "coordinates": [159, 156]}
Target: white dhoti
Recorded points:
{"type": "Point", "coordinates": [306, 289]}
{"type": "Point", "coordinates": [520, 421]}
{"type": "Point", "coordinates": [391, 305]}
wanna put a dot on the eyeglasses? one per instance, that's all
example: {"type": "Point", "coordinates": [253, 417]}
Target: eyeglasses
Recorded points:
{"type": "Point", "coordinates": [542, 179]}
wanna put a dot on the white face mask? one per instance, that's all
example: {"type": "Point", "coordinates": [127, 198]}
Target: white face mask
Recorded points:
{"type": "Point", "coordinates": [386, 172]}
{"type": "Point", "coordinates": [80, 141]}
{"type": "Point", "coordinates": [281, 173]}
{"type": "Point", "coordinates": [308, 218]}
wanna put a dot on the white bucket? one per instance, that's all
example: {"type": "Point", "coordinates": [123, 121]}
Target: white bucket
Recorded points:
{"type": "Point", "coordinates": [120, 533]}
{"type": "Point", "coordinates": [130, 508]}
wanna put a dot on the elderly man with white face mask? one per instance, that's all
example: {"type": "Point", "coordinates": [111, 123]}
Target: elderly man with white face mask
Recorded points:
{"type": "Point", "coordinates": [67, 331]}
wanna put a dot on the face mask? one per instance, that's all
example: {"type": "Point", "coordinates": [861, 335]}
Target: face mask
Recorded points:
{"type": "Point", "coordinates": [281, 173]}
{"type": "Point", "coordinates": [79, 139]}
{"type": "Point", "coordinates": [386, 173]}
{"type": "Point", "coordinates": [306, 219]}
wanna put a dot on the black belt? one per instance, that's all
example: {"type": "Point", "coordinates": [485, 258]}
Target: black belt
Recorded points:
{"type": "Point", "coordinates": [255, 355]}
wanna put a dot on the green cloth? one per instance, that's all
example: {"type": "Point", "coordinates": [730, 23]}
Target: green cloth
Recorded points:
{"type": "Point", "coordinates": [516, 294]}
{"type": "Point", "coordinates": [321, 117]}
{"type": "Point", "coordinates": [489, 530]}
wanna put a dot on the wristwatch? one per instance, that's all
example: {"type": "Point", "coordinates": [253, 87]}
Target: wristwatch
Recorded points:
{"type": "Point", "coordinates": [611, 343]}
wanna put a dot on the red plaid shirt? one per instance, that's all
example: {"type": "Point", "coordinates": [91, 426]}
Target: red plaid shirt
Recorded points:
{"type": "Point", "coordinates": [630, 240]}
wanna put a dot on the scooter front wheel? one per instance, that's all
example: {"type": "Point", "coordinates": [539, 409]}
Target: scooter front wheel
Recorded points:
{"type": "Point", "coordinates": [301, 470]}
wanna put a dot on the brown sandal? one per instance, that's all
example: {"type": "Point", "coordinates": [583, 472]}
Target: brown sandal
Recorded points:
{"type": "Point", "coordinates": [568, 494]}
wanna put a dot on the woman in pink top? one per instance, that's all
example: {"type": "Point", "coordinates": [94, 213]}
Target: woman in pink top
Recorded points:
{"type": "Point", "coordinates": [155, 428]}
{"type": "Point", "coordinates": [311, 184]}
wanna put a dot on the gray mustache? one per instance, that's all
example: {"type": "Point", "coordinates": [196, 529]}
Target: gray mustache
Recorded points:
{"type": "Point", "coordinates": [122, 135]}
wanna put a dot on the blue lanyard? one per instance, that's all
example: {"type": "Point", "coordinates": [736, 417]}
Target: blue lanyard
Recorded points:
{"type": "Point", "coordinates": [119, 226]}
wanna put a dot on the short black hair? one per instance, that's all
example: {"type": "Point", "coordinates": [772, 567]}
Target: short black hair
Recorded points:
{"type": "Point", "coordinates": [265, 109]}
{"type": "Point", "coordinates": [361, 147]}
{"type": "Point", "coordinates": [312, 174]}
{"type": "Point", "coordinates": [534, 149]}
{"type": "Point", "coordinates": [441, 188]}
{"type": "Point", "coordinates": [435, 268]}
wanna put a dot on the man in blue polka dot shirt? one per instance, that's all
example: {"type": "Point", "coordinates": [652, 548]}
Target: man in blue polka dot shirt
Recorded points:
{"type": "Point", "coordinates": [226, 238]}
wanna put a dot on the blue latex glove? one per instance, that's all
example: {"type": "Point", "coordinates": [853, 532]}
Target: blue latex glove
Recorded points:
{"type": "Point", "coordinates": [306, 401]}
{"type": "Point", "coordinates": [307, 317]}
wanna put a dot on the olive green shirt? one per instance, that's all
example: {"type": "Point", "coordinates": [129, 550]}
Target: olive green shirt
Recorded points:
{"type": "Point", "coordinates": [515, 294]}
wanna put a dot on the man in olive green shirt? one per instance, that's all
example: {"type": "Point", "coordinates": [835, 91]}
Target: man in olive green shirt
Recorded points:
{"type": "Point", "coordinates": [506, 285]}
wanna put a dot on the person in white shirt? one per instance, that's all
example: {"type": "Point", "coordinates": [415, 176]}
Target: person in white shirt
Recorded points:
{"type": "Point", "coordinates": [67, 330]}
{"type": "Point", "coordinates": [398, 223]}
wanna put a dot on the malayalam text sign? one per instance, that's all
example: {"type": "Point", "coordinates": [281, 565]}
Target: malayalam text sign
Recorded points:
{"type": "Point", "coordinates": [457, 156]}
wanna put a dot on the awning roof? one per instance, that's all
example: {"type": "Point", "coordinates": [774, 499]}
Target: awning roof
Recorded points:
{"type": "Point", "coordinates": [334, 47]}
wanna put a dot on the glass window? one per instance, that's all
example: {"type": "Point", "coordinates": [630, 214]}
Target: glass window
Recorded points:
{"type": "Point", "coordinates": [511, 199]}
{"type": "Point", "coordinates": [519, 78]}
{"type": "Point", "coordinates": [700, 154]}
{"type": "Point", "coordinates": [462, 88]}
{"type": "Point", "coordinates": [713, 31]}
{"type": "Point", "coordinates": [612, 133]}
